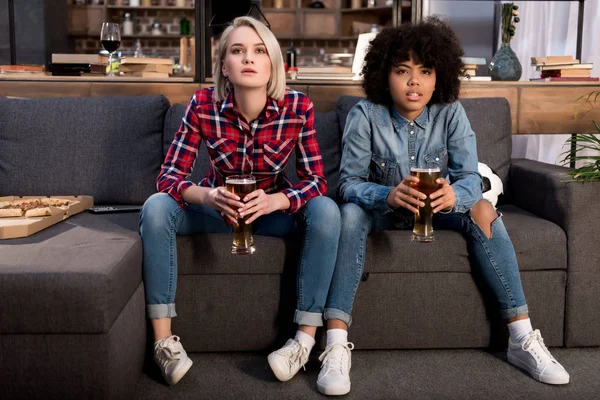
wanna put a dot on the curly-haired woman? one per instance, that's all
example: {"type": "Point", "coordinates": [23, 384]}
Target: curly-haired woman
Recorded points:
{"type": "Point", "coordinates": [412, 118]}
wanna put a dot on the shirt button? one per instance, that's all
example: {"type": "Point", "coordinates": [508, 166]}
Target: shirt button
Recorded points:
{"type": "Point", "coordinates": [411, 132]}
{"type": "Point", "coordinates": [411, 124]}
{"type": "Point", "coordinates": [383, 164]}
{"type": "Point", "coordinates": [412, 157]}
{"type": "Point", "coordinates": [437, 159]}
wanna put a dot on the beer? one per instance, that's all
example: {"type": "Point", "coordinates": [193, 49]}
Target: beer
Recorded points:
{"type": "Point", "coordinates": [423, 228]}
{"type": "Point", "coordinates": [243, 242]}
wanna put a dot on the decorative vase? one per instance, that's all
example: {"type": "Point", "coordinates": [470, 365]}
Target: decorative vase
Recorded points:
{"type": "Point", "coordinates": [505, 65]}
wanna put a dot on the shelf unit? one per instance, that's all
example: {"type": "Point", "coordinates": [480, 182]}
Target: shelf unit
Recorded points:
{"type": "Point", "coordinates": [85, 21]}
{"type": "Point", "coordinates": [338, 20]}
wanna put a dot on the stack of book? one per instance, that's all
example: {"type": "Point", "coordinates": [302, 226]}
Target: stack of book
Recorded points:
{"type": "Point", "coordinates": [469, 72]}
{"type": "Point", "coordinates": [77, 64]}
{"type": "Point", "coordinates": [562, 69]}
{"type": "Point", "coordinates": [146, 67]}
{"type": "Point", "coordinates": [330, 72]}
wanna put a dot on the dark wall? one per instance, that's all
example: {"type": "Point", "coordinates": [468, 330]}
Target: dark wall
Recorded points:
{"type": "Point", "coordinates": [29, 32]}
{"type": "Point", "coordinates": [4, 33]}
{"type": "Point", "coordinates": [40, 30]}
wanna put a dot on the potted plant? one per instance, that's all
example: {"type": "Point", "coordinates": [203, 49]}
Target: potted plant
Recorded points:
{"type": "Point", "coordinates": [589, 171]}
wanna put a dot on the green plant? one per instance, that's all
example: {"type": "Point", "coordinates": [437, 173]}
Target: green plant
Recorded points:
{"type": "Point", "coordinates": [590, 170]}
{"type": "Point", "coordinates": [510, 17]}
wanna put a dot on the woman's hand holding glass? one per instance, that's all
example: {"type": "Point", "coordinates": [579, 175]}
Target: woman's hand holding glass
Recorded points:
{"type": "Point", "coordinates": [405, 196]}
{"type": "Point", "coordinates": [444, 198]}
{"type": "Point", "coordinates": [224, 201]}
{"type": "Point", "coordinates": [259, 203]}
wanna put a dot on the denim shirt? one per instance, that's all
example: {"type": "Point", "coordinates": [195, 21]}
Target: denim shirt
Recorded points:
{"type": "Point", "coordinates": [379, 147]}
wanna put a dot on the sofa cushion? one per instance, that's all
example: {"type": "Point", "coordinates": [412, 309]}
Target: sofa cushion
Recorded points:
{"type": "Point", "coordinates": [74, 277]}
{"type": "Point", "coordinates": [109, 148]}
{"type": "Point", "coordinates": [490, 120]}
{"type": "Point", "coordinates": [539, 245]}
{"type": "Point", "coordinates": [329, 139]}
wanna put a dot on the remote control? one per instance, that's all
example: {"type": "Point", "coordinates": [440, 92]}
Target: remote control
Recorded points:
{"type": "Point", "coordinates": [113, 209]}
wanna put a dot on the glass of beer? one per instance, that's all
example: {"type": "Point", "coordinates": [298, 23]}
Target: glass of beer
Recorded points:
{"type": "Point", "coordinates": [243, 242]}
{"type": "Point", "coordinates": [423, 228]}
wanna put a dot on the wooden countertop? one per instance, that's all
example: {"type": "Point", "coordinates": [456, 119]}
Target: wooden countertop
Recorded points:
{"type": "Point", "coordinates": [47, 77]}
{"type": "Point", "coordinates": [536, 107]}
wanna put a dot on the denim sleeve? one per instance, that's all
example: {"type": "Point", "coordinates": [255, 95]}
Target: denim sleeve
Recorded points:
{"type": "Point", "coordinates": [354, 185]}
{"type": "Point", "coordinates": [462, 161]}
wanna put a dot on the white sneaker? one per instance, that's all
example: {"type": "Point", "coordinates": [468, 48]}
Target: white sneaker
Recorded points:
{"type": "Point", "coordinates": [288, 360]}
{"type": "Point", "coordinates": [533, 356]}
{"type": "Point", "coordinates": [171, 358]}
{"type": "Point", "coordinates": [334, 378]}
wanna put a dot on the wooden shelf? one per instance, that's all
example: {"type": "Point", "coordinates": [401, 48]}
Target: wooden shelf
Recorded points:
{"type": "Point", "coordinates": [123, 37]}
{"type": "Point", "coordinates": [147, 36]}
{"type": "Point", "coordinates": [149, 8]}
{"type": "Point", "coordinates": [85, 6]}
{"type": "Point", "coordinates": [366, 9]}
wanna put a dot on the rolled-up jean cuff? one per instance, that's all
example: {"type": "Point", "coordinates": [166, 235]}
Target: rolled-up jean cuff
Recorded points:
{"type": "Point", "coordinates": [156, 311]}
{"type": "Point", "coordinates": [334, 313]}
{"type": "Point", "coordinates": [513, 312]}
{"type": "Point", "coordinates": [308, 318]}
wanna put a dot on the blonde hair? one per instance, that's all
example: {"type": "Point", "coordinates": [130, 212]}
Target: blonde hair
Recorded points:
{"type": "Point", "coordinates": [276, 85]}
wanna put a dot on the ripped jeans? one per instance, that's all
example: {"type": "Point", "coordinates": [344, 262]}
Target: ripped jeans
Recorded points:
{"type": "Point", "coordinates": [494, 258]}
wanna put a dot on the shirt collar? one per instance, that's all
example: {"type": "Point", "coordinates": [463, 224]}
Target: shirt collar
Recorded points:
{"type": "Point", "coordinates": [272, 109]}
{"type": "Point", "coordinates": [422, 120]}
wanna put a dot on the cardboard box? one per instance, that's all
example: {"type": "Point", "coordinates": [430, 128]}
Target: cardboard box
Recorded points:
{"type": "Point", "coordinates": [16, 227]}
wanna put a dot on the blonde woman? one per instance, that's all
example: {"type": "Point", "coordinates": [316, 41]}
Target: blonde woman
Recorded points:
{"type": "Point", "coordinates": [242, 119]}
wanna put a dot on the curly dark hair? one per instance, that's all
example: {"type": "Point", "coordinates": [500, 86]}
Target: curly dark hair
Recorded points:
{"type": "Point", "coordinates": [431, 43]}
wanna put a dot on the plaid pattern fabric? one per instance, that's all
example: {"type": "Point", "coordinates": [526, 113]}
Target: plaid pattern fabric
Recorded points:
{"type": "Point", "coordinates": [235, 146]}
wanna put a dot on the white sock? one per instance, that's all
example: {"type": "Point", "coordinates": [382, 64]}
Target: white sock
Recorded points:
{"type": "Point", "coordinates": [336, 336]}
{"type": "Point", "coordinates": [519, 330]}
{"type": "Point", "coordinates": [305, 339]}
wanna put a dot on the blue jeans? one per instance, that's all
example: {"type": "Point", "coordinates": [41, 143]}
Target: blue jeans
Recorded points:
{"type": "Point", "coordinates": [161, 220]}
{"type": "Point", "coordinates": [494, 258]}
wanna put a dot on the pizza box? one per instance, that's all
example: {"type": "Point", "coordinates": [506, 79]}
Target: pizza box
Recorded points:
{"type": "Point", "coordinates": [16, 227]}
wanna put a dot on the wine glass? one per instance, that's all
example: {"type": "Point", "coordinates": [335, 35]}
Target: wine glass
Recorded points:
{"type": "Point", "coordinates": [110, 36]}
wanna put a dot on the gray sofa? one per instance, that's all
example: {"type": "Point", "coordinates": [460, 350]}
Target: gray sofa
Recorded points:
{"type": "Point", "coordinates": [72, 321]}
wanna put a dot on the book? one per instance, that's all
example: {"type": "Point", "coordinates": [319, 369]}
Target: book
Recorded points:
{"type": "Point", "coordinates": [146, 60]}
{"type": "Point", "coordinates": [571, 73]}
{"type": "Point", "coordinates": [566, 63]}
{"type": "Point", "coordinates": [327, 77]}
{"type": "Point", "coordinates": [163, 68]}
{"type": "Point", "coordinates": [59, 58]}
{"type": "Point", "coordinates": [474, 60]}
{"type": "Point", "coordinates": [475, 78]}
{"type": "Point", "coordinates": [331, 69]}
{"type": "Point", "coordinates": [564, 66]}
{"type": "Point", "coordinates": [565, 79]}
{"type": "Point", "coordinates": [146, 74]}
{"type": "Point", "coordinates": [552, 59]}
{"type": "Point", "coordinates": [75, 69]}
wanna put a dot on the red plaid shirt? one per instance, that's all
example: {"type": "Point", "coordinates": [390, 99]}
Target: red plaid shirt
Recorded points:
{"type": "Point", "coordinates": [260, 148]}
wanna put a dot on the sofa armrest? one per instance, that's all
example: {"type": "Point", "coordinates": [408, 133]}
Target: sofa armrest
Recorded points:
{"type": "Point", "coordinates": [542, 189]}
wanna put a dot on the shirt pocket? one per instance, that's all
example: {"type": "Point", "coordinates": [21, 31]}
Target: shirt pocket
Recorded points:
{"type": "Point", "coordinates": [384, 170]}
{"type": "Point", "coordinates": [438, 158]}
{"type": "Point", "coordinates": [276, 154]}
{"type": "Point", "coordinates": [222, 152]}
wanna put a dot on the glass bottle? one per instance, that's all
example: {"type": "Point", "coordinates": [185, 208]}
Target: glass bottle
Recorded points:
{"type": "Point", "coordinates": [184, 26]}
{"type": "Point", "coordinates": [138, 49]}
{"type": "Point", "coordinates": [127, 25]}
{"type": "Point", "coordinates": [291, 55]}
